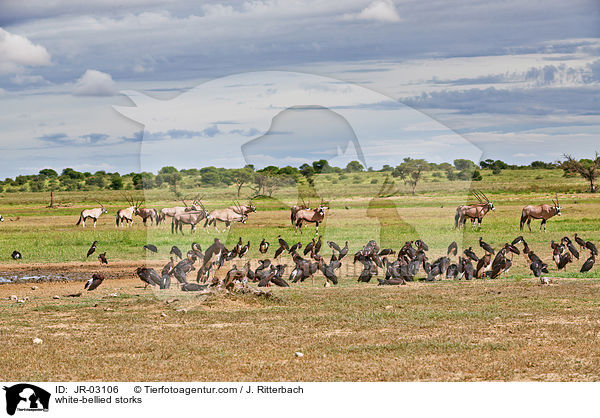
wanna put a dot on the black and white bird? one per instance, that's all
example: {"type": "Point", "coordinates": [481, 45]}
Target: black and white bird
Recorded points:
{"type": "Point", "coordinates": [487, 247]}
{"type": "Point", "coordinates": [590, 246]}
{"type": "Point", "coordinates": [16, 255]}
{"type": "Point", "coordinates": [471, 254]}
{"type": "Point", "coordinates": [244, 250]}
{"type": "Point", "coordinates": [94, 282]}
{"type": "Point", "coordinates": [263, 246]}
{"type": "Point", "coordinates": [92, 249]}
{"type": "Point", "coordinates": [579, 241]}
{"type": "Point", "coordinates": [102, 258]}
{"type": "Point", "coordinates": [151, 247]}
{"type": "Point", "coordinates": [589, 263]}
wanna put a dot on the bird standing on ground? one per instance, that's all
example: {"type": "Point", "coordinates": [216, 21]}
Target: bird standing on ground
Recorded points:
{"type": "Point", "coordinates": [589, 263]}
{"type": "Point", "coordinates": [151, 247]}
{"type": "Point", "coordinates": [263, 246]}
{"type": "Point", "coordinates": [102, 258]}
{"type": "Point", "coordinates": [487, 247]}
{"type": "Point", "coordinates": [177, 252]}
{"type": "Point", "coordinates": [92, 249]}
{"type": "Point", "coordinates": [94, 282]}
{"type": "Point", "coordinates": [452, 248]}
{"type": "Point", "coordinates": [16, 255]}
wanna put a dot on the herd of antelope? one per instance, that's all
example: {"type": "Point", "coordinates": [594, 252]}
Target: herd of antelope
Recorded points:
{"type": "Point", "coordinates": [300, 214]}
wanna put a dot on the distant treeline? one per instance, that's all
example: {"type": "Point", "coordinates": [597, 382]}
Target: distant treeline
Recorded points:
{"type": "Point", "coordinates": [263, 181]}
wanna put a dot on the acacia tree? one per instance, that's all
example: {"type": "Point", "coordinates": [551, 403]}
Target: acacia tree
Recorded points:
{"type": "Point", "coordinates": [242, 176]}
{"type": "Point", "coordinates": [411, 171]}
{"type": "Point", "coordinates": [586, 168]}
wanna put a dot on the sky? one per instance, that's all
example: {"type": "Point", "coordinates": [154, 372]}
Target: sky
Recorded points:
{"type": "Point", "coordinates": [137, 85]}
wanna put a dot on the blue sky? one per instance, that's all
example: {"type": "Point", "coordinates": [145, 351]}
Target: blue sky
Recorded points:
{"type": "Point", "coordinates": [518, 80]}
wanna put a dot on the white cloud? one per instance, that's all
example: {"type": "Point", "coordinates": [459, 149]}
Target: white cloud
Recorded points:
{"type": "Point", "coordinates": [24, 79]}
{"type": "Point", "coordinates": [95, 83]}
{"type": "Point", "coordinates": [379, 10]}
{"type": "Point", "coordinates": [17, 51]}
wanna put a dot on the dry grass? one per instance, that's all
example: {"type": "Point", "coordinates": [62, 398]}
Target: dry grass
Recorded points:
{"type": "Point", "coordinates": [493, 330]}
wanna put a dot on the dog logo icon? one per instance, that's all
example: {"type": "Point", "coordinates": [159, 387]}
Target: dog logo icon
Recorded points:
{"type": "Point", "coordinates": [26, 397]}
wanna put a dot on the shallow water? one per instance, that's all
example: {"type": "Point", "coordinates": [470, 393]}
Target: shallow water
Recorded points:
{"type": "Point", "coordinates": [26, 277]}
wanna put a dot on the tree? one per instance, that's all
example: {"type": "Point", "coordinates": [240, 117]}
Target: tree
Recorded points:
{"type": "Point", "coordinates": [48, 172]}
{"type": "Point", "coordinates": [586, 168]}
{"type": "Point", "coordinates": [116, 182]}
{"type": "Point", "coordinates": [241, 177]}
{"type": "Point", "coordinates": [321, 166]}
{"type": "Point", "coordinates": [354, 166]}
{"type": "Point", "coordinates": [411, 171]}
{"type": "Point", "coordinates": [168, 170]}
{"type": "Point", "coordinates": [464, 165]}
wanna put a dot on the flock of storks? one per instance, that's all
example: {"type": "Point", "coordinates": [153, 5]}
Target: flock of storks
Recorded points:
{"type": "Point", "coordinates": [399, 267]}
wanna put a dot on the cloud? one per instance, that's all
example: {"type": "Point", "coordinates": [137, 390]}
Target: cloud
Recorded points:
{"type": "Point", "coordinates": [17, 52]}
{"type": "Point", "coordinates": [24, 79]}
{"type": "Point", "coordinates": [64, 139]}
{"type": "Point", "coordinates": [379, 11]}
{"type": "Point", "coordinates": [95, 83]}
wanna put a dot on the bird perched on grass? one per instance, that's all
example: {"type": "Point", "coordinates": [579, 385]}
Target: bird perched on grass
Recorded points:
{"type": "Point", "coordinates": [295, 247]}
{"type": "Point", "coordinates": [263, 246]}
{"type": "Point", "coordinates": [16, 255]}
{"type": "Point", "coordinates": [102, 258]}
{"type": "Point", "coordinates": [92, 249]}
{"type": "Point", "coordinates": [589, 263]}
{"type": "Point", "coordinates": [151, 247]}
{"type": "Point", "coordinates": [579, 241]}
{"type": "Point", "coordinates": [177, 252]}
{"type": "Point", "coordinates": [244, 250]}
{"type": "Point", "coordinates": [420, 244]}
{"type": "Point", "coordinates": [590, 246]}
{"type": "Point", "coordinates": [94, 282]}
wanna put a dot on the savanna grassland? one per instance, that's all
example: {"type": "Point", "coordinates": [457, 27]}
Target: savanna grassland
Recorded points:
{"type": "Point", "coordinates": [511, 328]}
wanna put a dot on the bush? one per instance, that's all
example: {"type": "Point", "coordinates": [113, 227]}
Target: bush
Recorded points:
{"type": "Point", "coordinates": [374, 181]}
{"type": "Point", "coordinates": [477, 176]}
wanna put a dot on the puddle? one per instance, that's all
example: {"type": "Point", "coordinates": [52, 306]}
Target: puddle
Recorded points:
{"type": "Point", "coordinates": [24, 277]}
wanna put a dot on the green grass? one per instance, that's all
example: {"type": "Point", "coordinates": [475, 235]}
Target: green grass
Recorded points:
{"type": "Point", "coordinates": [356, 214]}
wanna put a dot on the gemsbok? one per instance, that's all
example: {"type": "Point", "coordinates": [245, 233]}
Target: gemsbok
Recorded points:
{"type": "Point", "coordinates": [148, 213]}
{"type": "Point", "coordinates": [91, 214]}
{"type": "Point", "coordinates": [164, 212]}
{"type": "Point", "coordinates": [473, 212]}
{"type": "Point", "coordinates": [316, 216]}
{"type": "Point", "coordinates": [188, 218]}
{"type": "Point", "coordinates": [227, 216]}
{"type": "Point", "coordinates": [543, 212]}
{"type": "Point", "coordinates": [125, 216]}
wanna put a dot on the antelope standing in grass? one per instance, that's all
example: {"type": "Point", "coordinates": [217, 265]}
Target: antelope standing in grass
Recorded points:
{"type": "Point", "coordinates": [543, 212]}
{"type": "Point", "coordinates": [188, 218]}
{"type": "Point", "coordinates": [308, 215]}
{"type": "Point", "coordinates": [244, 209]}
{"type": "Point", "coordinates": [164, 212]}
{"type": "Point", "coordinates": [148, 213]}
{"type": "Point", "coordinates": [227, 216]}
{"type": "Point", "coordinates": [91, 214]}
{"type": "Point", "coordinates": [473, 212]}
{"type": "Point", "coordinates": [125, 216]}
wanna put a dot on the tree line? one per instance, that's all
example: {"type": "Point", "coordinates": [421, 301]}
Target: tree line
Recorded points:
{"type": "Point", "coordinates": [266, 180]}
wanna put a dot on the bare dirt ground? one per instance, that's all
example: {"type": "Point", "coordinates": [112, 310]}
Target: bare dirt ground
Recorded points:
{"type": "Point", "coordinates": [449, 330]}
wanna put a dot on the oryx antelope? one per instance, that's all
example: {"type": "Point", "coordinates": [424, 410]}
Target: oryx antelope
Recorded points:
{"type": "Point", "coordinates": [188, 218]}
{"type": "Point", "coordinates": [91, 214]}
{"type": "Point", "coordinates": [543, 212]}
{"type": "Point", "coordinates": [125, 216]}
{"type": "Point", "coordinates": [148, 213]}
{"type": "Point", "coordinates": [316, 216]}
{"type": "Point", "coordinates": [473, 212]}
{"type": "Point", "coordinates": [244, 209]}
{"type": "Point", "coordinates": [227, 216]}
{"type": "Point", "coordinates": [164, 212]}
